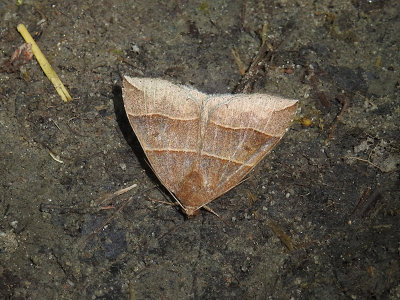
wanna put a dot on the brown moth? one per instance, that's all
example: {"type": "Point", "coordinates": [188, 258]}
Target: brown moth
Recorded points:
{"type": "Point", "coordinates": [200, 146]}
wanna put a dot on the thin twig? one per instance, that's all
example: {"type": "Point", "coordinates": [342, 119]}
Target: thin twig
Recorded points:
{"type": "Point", "coordinates": [45, 65]}
{"type": "Point", "coordinates": [345, 104]}
{"type": "Point", "coordinates": [108, 197]}
{"type": "Point", "coordinates": [364, 160]}
{"type": "Point", "coordinates": [106, 222]}
{"type": "Point", "coordinates": [264, 54]}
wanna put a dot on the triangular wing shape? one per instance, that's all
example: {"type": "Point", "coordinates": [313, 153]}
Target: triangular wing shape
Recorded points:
{"type": "Point", "coordinates": [165, 118]}
{"type": "Point", "coordinates": [239, 131]}
{"type": "Point", "coordinates": [199, 145]}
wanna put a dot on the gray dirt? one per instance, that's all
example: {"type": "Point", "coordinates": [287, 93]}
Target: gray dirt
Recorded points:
{"type": "Point", "coordinates": [295, 227]}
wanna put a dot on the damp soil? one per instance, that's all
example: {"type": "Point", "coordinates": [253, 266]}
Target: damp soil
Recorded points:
{"type": "Point", "coordinates": [318, 218]}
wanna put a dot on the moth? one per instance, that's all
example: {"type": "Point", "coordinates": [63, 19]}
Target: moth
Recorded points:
{"type": "Point", "coordinates": [200, 146]}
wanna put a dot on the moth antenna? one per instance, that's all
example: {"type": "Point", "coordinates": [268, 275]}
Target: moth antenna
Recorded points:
{"type": "Point", "coordinates": [177, 200]}
{"type": "Point", "coordinates": [243, 180]}
{"type": "Point", "coordinates": [209, 209]}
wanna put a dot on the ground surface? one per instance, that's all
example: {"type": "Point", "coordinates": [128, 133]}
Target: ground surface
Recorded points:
{"type": "Point", "coordinates": [288, 236]}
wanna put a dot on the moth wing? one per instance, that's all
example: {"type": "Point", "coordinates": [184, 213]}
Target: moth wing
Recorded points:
{"type": "Point", "coordinates": [239, 131]}
{"type": "Point", "coordinates": [165, 118]}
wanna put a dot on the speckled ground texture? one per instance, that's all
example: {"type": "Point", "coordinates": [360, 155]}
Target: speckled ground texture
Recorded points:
{"type": "Point", "coordinates": [288, 234]}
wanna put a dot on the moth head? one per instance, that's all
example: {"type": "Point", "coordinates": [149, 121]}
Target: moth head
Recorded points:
{"type": "Point", "coordinates": [191, 211]}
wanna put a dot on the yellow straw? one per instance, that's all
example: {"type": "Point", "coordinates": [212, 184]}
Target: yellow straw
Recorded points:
{"type": "Point", "coordinates": [47, 69]}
